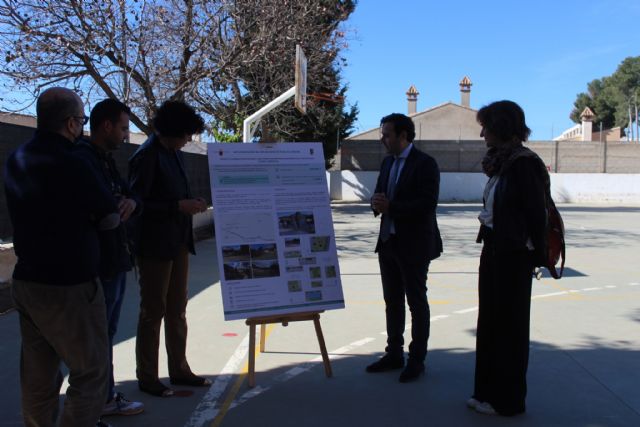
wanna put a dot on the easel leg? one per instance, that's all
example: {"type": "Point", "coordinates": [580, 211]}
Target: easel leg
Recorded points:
{"type": "Point", "coordinates": [252, 355]}
{"type": "Point", "coordinates": [263, 337]}
{"type": "Point", "coordinates": [323, 347]}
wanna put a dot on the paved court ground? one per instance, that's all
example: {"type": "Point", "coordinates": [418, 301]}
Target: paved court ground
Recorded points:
{"type": "Point", "coordinates": [585, 340]}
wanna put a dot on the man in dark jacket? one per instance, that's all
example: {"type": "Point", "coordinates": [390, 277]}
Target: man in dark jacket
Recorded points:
{"type": "Point", "coordinates": [109, 123]}
{"type": "Point", "coordinates": [157, 175]}
{"type": "Point", "coordinates": [57, 207]}
{"type": "Point", "coordinates": [406, 195]}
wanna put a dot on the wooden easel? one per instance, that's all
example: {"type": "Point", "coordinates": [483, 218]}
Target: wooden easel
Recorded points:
{"type": "Point", "coordinates": [285, 319]}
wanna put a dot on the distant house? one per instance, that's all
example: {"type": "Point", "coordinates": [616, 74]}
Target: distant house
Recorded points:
{"type": "Point", "coordinates": [584, 131]}
{"type": "Point", "coordinates": [17, 119]}
{"type": "Point", "coordinates": [448, 121]}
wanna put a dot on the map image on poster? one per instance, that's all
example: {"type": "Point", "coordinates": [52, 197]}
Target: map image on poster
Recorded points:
{"type": "Point", "coordinates": [274, 231]}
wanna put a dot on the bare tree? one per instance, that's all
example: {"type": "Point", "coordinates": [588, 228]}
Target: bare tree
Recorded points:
{"type": "Point", "coordinates": [267, 32]}
{"type": "Point", "coordinates": [226, 56]}
{"type": "Point", "coordinates": [138, 51]}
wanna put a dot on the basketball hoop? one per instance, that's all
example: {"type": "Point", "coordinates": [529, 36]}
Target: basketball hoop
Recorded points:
{"type": "Point", "coordinates": [326, 97]}
{"type": "Point", "coordinates": [301, 80]}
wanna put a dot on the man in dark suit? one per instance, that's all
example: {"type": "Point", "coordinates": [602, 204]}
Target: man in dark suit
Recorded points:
{"type": "Point", "coordinates": [406, 195]}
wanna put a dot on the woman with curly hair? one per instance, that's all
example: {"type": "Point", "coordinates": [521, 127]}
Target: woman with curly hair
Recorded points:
{"type": "Point", "coordinates": [164, 241]}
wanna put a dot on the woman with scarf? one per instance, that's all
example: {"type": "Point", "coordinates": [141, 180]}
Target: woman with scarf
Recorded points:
{"type": "Point", "coordinates": [513, 223]}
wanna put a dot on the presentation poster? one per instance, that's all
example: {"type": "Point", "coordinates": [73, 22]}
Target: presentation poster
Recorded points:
{"type": "Point", "coordinates": [274, 231]}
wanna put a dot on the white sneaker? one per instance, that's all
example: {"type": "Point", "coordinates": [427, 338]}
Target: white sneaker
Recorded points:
{"type": "Point", "coordinates": [485, 408]}
{"type": "Point", "coordinates": [119, 405]}
{"type": "Point", "coordinates": [473, 402]}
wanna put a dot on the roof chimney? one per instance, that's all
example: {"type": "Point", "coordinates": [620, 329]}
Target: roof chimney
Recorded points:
{"type": "Point", "coordinates": [587, 117]}
{"type": "Point", "coordinates": [412, 99]}
{"type": "Point", "coordinates": [465, 91]}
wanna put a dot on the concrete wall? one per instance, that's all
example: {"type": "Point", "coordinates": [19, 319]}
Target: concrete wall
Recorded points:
{"type": "Point", "coordinates": [11, 136]}
{"type": "Point", "coordinates": [595, 188]}
{"type": "Point", "coordinates": [468, 187]}
{"type": "Point", "coordinates": [359, 186]}
{"type": "Point", "coordinates": [452, 156]}
{"type": "Point", "coordinates": [466, 155]}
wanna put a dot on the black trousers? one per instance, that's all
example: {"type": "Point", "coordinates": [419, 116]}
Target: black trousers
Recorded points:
{"type": "Point", "coordinates": [502, 341]}
{"type": "Point", "coordinates": [404, 275]}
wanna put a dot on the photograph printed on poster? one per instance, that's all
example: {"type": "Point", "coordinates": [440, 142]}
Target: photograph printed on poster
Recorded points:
{"type": "Point", "coordinates": [319, 243]}
{"type": "Point", "coordinates": [291, 223]}
{"type": "Point", "coordinates": [292, 242]}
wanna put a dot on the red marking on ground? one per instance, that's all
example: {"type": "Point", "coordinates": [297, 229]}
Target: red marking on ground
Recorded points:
{"type": "Point", "coordinates": [230, 334]}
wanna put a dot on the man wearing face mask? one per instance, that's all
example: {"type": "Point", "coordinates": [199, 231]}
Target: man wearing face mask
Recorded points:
{"type": "Point", "coordinates": [109, 124]}
{"type": "Point", "coordinates": [57, 207]}
{"type": "Point", "coordinates": [406, 195]}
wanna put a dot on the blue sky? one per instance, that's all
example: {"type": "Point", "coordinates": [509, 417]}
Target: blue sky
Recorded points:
{"type": "Point", "coordinates": [540, 54]}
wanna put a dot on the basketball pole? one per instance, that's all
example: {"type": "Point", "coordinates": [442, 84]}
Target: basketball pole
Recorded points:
{"type": "Point", "coordinates": [299, 91]}
{"type": "Point", "coordinates": [248, 130]}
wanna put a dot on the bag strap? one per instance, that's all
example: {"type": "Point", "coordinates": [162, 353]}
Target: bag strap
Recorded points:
{"type": "Point", "coordinates": [556, 213]}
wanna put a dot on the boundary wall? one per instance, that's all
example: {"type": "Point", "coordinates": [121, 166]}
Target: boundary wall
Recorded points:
{"type": "Point", "coordinates": [358, 186]}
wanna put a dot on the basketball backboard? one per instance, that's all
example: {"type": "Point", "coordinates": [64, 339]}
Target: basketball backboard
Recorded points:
{"type": "Point", "coordinates": [301, 80]}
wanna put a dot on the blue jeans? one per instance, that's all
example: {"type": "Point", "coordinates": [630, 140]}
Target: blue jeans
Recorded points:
{"type": "Point", "coordinates": [113, 296]}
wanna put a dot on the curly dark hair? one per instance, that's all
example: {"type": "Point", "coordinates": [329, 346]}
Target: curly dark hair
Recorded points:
{"type": "Point", "coordinates": [176, 119]}
{"type": "Point", "coordinates": [505, 120]}
{"type": "Point", "coordinates": [401, 123]}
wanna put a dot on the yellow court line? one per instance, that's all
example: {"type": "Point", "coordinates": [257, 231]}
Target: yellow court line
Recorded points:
{"type": "Point", "coordinates": [236, 386]}
{"type": "Point", "coordinates": [571, 295]}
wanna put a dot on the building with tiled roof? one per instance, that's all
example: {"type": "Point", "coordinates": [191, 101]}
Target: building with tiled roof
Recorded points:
{"type": "Point", "coordinates": [447, 121]}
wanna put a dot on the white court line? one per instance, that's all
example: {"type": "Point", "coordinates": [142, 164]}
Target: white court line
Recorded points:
{"type": "Point", "coordinates": [206, 409]}
{"type": "Point", "coordinates": [466, 310]}
{"type": "Point", "coordinates": [553, 294]}
{"type": "Point", "coordinates": [304, 367]}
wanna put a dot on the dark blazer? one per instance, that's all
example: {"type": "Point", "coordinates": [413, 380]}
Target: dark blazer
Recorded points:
{"type": "Point", "coordinates": [115, 246]}
{"type": "Point", "coordinates": [157, 176]}
{"type": "Point", "coordinates": [519, 207]}
{"type": "Point", "coordinates": [413, 208]}
{"type": "Point", "coordinates": [55, 203]}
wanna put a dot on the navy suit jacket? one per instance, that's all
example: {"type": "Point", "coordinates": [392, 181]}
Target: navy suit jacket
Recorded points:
{"type": "Point", "coordinates": [413, 207]}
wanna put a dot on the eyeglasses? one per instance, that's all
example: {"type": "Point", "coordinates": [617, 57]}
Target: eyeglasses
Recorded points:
{"type": "Point", "coordinates": [84, 119]}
